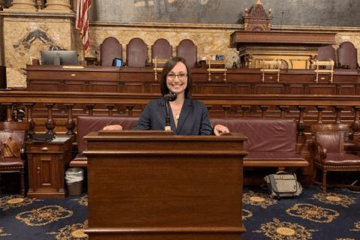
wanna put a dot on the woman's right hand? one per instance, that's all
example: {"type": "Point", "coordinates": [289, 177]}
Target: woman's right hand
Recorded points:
{"type": "Point", "coordinates": [115, 127]}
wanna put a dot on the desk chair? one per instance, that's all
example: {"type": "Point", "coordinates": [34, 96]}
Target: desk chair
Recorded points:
{"type": "Point", "coordinates": [18, 131]}
{"type": "Point", "coordinates": [327, 151]}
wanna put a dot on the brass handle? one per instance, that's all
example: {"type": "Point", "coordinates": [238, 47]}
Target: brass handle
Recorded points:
{"type": "Point", "coordinates": [322, 78]}
{"type": "Point", "coordinates": [45, 149]}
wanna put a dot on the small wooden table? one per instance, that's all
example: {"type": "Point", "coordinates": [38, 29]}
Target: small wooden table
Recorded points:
{"type": "Point", "coordinates": [47, 162]}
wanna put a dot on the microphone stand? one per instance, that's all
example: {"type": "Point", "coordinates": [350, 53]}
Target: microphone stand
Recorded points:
{"type": "Point", "coordinates": [170, 97]}
{"type": "Point", "coordinates": [167, 118]}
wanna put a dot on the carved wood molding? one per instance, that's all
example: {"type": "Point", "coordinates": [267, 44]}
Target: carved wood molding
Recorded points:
{"type": "Point", "coordinates": [256, 19]}
{"type": "Point", "coordinates": [277, 37]}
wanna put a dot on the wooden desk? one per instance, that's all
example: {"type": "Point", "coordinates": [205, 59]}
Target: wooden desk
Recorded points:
{"type": "Point", "coordinates": [237, 81]}
{"type": "Point", "coordinates": [47, 162]}
{"type": "Point", "coordinates": [153, 185]}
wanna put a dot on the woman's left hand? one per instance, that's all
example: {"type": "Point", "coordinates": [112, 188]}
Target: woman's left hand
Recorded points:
{"type": "Point", "coordinates": [220, 129]}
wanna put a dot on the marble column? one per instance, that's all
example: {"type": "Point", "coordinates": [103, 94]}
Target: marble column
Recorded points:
{"type": "Point", "coordinates": [22, 6]}
{"type": "Point", "coordinates": [58, 6]}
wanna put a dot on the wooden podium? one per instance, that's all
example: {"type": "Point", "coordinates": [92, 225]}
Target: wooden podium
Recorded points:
{"type": "Point", "coordinates": [155, 185]}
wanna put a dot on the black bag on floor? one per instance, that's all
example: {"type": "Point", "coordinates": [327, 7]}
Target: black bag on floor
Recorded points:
{"type": "Point", "coordinates": [283, 184]}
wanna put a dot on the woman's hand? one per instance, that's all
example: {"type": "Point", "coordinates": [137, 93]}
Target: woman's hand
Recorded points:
{"type": "Point", "coordinates": [115, 127]}
{"type": "Point", "coordinates": [220, 129]}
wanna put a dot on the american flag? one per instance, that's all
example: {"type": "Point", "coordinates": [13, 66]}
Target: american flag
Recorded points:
{"type": "Point", "coordinates": [82, 20]}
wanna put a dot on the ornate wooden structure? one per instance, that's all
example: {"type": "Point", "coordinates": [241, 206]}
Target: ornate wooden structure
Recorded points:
{"type": "Point", "coordinates": [237, 81]}
{"type": "Point", "coordinates": [154, 185]}
{"type": "Point", "coordinates": [256, 19]}
{"type": "Point", "coordinates": [47, 163]}
{"type": "Point", "coordinates": [58, 111]}
{"type": "Point", "coordinates": [257, 42]}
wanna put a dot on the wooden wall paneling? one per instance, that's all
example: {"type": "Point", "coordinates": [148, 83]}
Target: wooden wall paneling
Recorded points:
{"type": "Point", "coordinates": [154, 87]}
{"type": "Point", "coordinates": [243, 88]}
{"type": "Point", "coordinates": [299, 76]}
{"type": "Point", "coordinates": [142, 80]}
{"type": "Point", "coordinates": [198, 76]}
{"type": "Point", "coordinates": [77, 86]}
{"type": "Point", "coordinates": [323, 89]}
{"type": "Point", "coordinates": [296, 88]}
{"type": "Point", "coordinates": [268, 88]}
{"type": "Point", "coordinates": [134, 87]}
{"type": "Point", "coordinates": [346, 89]}
{"type": "Point", "coordinates": [103, 86]}
{"type": "Point", "coordinates": [215, 88]}
{"type": "Point", "coordinates": [137, 75]}
{"type": "Point", "coordinates": [44, 85]}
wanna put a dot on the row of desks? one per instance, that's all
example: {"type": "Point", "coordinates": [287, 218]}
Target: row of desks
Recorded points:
{"type": "Point", "coordinates": [236, 81]}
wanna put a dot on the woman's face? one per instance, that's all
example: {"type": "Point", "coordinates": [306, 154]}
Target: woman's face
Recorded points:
{"type": "Point", "coordinates": [176, 79]}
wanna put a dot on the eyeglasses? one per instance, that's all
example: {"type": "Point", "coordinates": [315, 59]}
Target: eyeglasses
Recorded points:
{"type": "Point", "coordinates": [180, 76]}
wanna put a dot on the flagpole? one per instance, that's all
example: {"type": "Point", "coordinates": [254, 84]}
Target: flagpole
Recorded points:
{"type": "Point", "coordinates": [84, 63]}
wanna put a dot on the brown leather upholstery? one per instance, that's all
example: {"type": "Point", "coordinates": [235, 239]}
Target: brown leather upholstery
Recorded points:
{"type": "Point", "coordinates": [17, 130]}
{"type": "Point", "coordinates": [87, 124]}
{"type": "Point", "coordinates": [332, 141]}
{"type": "Point", "coordinates": [347, 55]}
{"type": "Point", "coordinates": [187, 50]}
{"type": "Point", "coordinates": [110, 48]}
{"type": "Point", "coordinates": [161, 50]}
{"type": "Point", "coordinates": [327, 150]}
{"type": "Point", "coordinates": [326, 53]}
{"type": "Point", "coordinates": [271, 142]}
{"type": "Point", "coordinates": [136, 53]}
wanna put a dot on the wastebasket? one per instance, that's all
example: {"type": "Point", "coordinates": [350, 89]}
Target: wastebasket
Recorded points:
{"type": "Point", "coordinates": [74, 179]}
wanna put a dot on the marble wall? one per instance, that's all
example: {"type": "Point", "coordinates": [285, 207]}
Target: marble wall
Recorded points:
{"type": "Point", "coordinates": [26, 37]}
{"type": "Point", "coordinates": [209, 41]}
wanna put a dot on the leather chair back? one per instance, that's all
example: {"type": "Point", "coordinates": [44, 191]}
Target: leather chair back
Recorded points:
{"type": "Point", "coordinates": [110, 49]}
{"type": "Point", "coordinates": [347, 55]}
{"type": "Point", "coordinates": [161, 50]}
{"type": "Point", "coordinates": [136, 53]}
{"type": "Point", "coordinates": [326, 53]}
{"type": "Point", "coordinates": [331, 136]}
{"type": "Point", "coordinates": [187, 50]}
{"type": "Point", "coordinates": [332, 141]}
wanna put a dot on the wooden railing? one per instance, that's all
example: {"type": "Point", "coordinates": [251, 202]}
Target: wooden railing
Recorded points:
{"type": "Point", "coordinates": [57, 111]}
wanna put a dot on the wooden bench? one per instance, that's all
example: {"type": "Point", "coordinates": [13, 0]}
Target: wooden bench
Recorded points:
{"type": "Point", "coordinates": [271, 142]}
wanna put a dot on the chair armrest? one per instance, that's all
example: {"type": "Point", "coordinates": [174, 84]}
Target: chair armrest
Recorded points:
{"type": "Point", "coordinates": [23, 153]}
{"type": "Point", "coordinates": [352, 145]}
{"type": "Point", "coordinates": [317, 151]}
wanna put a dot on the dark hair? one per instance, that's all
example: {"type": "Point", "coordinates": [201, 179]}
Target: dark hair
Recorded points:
{"type": "Point", "coordinates": [169, 65]}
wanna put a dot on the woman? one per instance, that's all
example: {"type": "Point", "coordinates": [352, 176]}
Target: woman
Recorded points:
{"type": "Point", "coordinates": [187, 116]}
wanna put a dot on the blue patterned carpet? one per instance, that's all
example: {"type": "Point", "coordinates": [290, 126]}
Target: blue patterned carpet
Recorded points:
{"type": "Point", "coordinates": [331, 216]}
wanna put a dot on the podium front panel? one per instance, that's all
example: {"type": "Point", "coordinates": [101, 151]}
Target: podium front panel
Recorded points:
{"type": "Point", "coordinates": [155, 193]}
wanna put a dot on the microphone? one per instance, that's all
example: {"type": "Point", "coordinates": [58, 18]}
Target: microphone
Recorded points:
{"type": "Point", "coordinates": [170, 97]}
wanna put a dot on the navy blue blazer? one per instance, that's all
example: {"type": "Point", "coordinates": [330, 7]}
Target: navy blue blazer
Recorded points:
{"type": "Point", "coordinates": [194, 118]}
